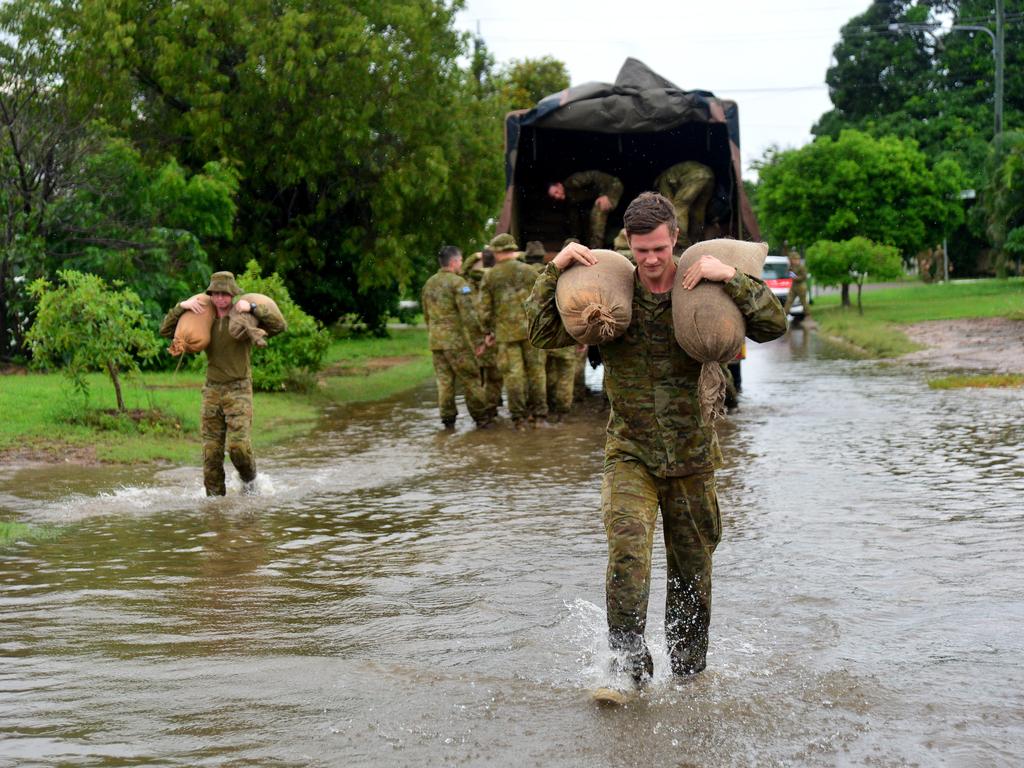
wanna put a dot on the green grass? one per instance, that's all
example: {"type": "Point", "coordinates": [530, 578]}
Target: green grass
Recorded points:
{"type": "Point", "coordinates": [877, 333]}
{"type": "Point", "coordinates": [403, 342]}
{"type": "Point", "coordinates": [980, 381]}
{"type": "Point", "coordinates": [43, 415]}
{"type": "Point", "coordinates": [11, 533]}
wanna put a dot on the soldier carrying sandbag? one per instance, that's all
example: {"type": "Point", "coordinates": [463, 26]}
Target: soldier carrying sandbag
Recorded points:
{"type": "Point", "coordinates": [226, 414]}
{"type": "Point", "coordinates": [659, 452]}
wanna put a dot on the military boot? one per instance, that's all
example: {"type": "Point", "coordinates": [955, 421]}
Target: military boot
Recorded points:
{"type": "Point", "coordinates": [631, 656]}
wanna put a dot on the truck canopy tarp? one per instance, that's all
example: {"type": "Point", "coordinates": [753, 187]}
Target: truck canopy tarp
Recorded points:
{"type": "Point", "coordinates": [681, 125]}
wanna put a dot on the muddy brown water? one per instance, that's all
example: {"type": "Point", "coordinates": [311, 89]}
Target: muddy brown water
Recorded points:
{"type": "Point", "coordinates": [398, 596]}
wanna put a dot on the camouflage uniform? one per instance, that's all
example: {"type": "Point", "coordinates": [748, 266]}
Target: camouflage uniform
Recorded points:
{"type": "Point", "coordinates": [488, 361]}
{"type": "Point", "coordinates": [226, 411]}
{"type": "Point", "coordinates": [590, 185]}
{"type": "Point", "coordinates": [689, 186]}
{"type": "Point", "coordinates": [798, 288]}
{"type": "Point", "coordinates": [659, 452]}
{"type": "Point", "coordinates": [454, 332]}
{"type": "Point", "coordinates": [502, 292]}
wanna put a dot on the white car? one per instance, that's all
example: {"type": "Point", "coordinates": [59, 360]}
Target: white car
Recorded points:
{"type": "Point", "coordinates": [776, 276]}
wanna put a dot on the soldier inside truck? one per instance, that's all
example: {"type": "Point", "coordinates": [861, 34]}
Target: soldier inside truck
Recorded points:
{"type": "Point", "coordinates": [637, 159]}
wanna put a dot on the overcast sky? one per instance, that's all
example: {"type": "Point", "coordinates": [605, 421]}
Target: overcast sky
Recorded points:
{"type": "Point", "coordinates": [769, 56]}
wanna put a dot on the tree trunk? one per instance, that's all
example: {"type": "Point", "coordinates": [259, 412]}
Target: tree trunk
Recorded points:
{"type": "Point", "coordinates": [112, 370]}
{"type": "Point", "coordinates": [846, 295]}
{"type": "Point", "coordinates": [860, 307]}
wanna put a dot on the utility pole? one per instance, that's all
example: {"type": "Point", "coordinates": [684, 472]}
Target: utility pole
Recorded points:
{"type": "Point", "coordinates": [998, 48]}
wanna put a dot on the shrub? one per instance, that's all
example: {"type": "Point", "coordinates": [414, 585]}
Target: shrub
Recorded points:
{"type": "Point", "coordinates": [84, 325]}
{"type": "Point", "coordinates": [289, 360]}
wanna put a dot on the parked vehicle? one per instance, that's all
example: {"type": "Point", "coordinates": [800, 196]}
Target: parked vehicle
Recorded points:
{"type": "Point", "coordinates": [776, 276]}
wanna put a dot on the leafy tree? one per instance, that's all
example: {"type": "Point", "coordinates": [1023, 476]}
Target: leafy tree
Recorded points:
{"type": "Point", "coordinates": [146, 227]}
{"type": "Point", "coordinates": [83, 325]}
{"type": "Point", "coordinates": [852, 261]}
{"type": "Point", "coordinates": [1003, 200]}
{"type": "Point", "coordinates": [881, 189]}
{"type": "Point", "coordinates": [524, 82]}
{"type": "Point", "coordinates": [936, 86]}
{"type": "Point", "coordinates": [360, 143]}
{"type": "Point", "coordinates": [290, 359]}
{"type": "Point", "coordinates": [74, 197]}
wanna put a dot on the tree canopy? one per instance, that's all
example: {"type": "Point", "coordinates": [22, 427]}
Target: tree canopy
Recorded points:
{"type": "Point", "coordinates": [882, 189]}
{"type": "Point", "coordinates": [359, 142]}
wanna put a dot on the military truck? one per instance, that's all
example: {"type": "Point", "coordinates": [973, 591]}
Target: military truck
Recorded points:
{"type": "Point", "coordinates": [633, 129]}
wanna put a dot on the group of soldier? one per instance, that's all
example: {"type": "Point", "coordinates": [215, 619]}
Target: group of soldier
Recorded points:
{"type": "Point", "coordinates": [474, 307]}
{"type": "Point", "coordinates": [479, 338]}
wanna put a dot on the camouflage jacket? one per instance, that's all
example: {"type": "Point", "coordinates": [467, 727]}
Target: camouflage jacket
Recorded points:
{"type": "Point", "coordinates": [651, 382]}
{"type": "Point", "coordinates": [451, 318]}
{"type": "Point", "coordinates": [489, 358]}
{"type": "Point", "coordinates": [590, 185]}
{"type": "Point", "coordinates": [798, 273]}
{"type": "Point", "coordinates": [502, 293]}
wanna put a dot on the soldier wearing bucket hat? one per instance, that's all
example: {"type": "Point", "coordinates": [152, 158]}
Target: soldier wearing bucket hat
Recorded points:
{"type": "Point", "coordinates": [660, 453]}
{"type": "Point", "coordinates": [226, 412]}
{"type": "Point", "coordinates": [502, 292]}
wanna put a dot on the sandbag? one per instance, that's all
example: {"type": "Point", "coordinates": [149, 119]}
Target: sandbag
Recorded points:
{"type": "Point", "coordinates": [192, 333]}
{"type": "Point", "coordinates": [242, 324]}
{"type": "Point", "coordinates": [708, 325]}
{"type": "Point", "coordinates": [596, 302]}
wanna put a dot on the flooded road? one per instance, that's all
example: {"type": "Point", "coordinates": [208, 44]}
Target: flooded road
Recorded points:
{"type": "Point", "coordinates": [398, 596]}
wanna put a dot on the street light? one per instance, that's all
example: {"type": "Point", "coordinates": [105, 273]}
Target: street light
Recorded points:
{"type": "Point", "coordinates": [998, 39]}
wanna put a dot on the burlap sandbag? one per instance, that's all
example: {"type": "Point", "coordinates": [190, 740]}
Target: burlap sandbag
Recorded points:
{"type": "Point", "coordinates": [242, 324]}
{"type": "Point", "coordinates": [192, 333]}
{"type": "Point", "coordinates": [708, 325]}
{"type": "Point", "coordinates": [596, 302]}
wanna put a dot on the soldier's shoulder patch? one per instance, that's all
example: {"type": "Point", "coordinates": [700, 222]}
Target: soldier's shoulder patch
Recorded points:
{"type": "Point", "coordinates": [465, 289]}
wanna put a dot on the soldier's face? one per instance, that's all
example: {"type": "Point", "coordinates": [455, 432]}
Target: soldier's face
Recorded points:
{"type": "Point", "coordinates": [221, 301]}
{"type": "Point", "coordinates": [653, 253]}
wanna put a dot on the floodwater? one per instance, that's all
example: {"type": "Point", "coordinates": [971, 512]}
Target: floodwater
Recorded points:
{"type": "Point", "coordinates": [398, 596]}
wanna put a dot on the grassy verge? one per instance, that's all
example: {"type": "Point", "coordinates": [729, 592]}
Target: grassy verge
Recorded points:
{"type": "Point", "coordinates": [877, 332]}
{"type": "Point", "coordinates": [14, 532]}
{"type": "Point", "coordinates": [44, 417]}
{"type": "Point", "coordinates": [980, 381]}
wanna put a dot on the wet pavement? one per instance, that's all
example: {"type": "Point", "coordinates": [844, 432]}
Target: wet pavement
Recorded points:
{"type": "Point", "coordinates": [401, 596]}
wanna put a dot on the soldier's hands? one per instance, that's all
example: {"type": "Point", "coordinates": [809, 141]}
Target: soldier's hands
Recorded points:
{"type": "Point", "coordinates": [194, 305]}
{"type": "Point", "coordinates": [243, 306]}
{"type": "Point", "coordinates": [574, 253]}
{"type": "Point", "coordinates": [604, 203]}
{"type": "Point", "coordinates": [707, 267]}
{"type": "Point", "coordinates": [479, 349]}
{"type": "Point", "coordinates": [489, 340]}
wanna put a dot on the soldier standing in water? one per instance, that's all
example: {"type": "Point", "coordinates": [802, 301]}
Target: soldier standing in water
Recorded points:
{"type": "Point", "coordinates": [659, 452]}
{"type": "Point", "coordinates": [226, 414]}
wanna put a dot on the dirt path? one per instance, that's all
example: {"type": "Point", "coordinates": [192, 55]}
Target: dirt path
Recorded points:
{"type": "Point", "coordinates": [991, 344]}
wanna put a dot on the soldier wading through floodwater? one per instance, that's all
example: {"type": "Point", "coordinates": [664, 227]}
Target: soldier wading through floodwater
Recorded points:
{"type": "Point", "coordinates": [659, 451]}
{"type": "Point", "coordinates": [226, 413]}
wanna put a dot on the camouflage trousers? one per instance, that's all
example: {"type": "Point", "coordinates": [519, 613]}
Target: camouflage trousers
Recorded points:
{"type": "Point", "coordinates": [797, 291]}
{"type": "Point", "coordinates": [598, 224]}
{"type": "Point", "coordinates": [522, 368]}
{"type": "Point", "coordinates": [692, 524]}
{"type": "Point", "coordinates": [690, 195]}
{"type": "Point", "coordinates": [227, 421]}
{"type": "Point", "coordinates": [459, 366]}
{"type": "Point", "coordinates": [492, 389]}
{"type": "Point", "coordinates": [560, 372]}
